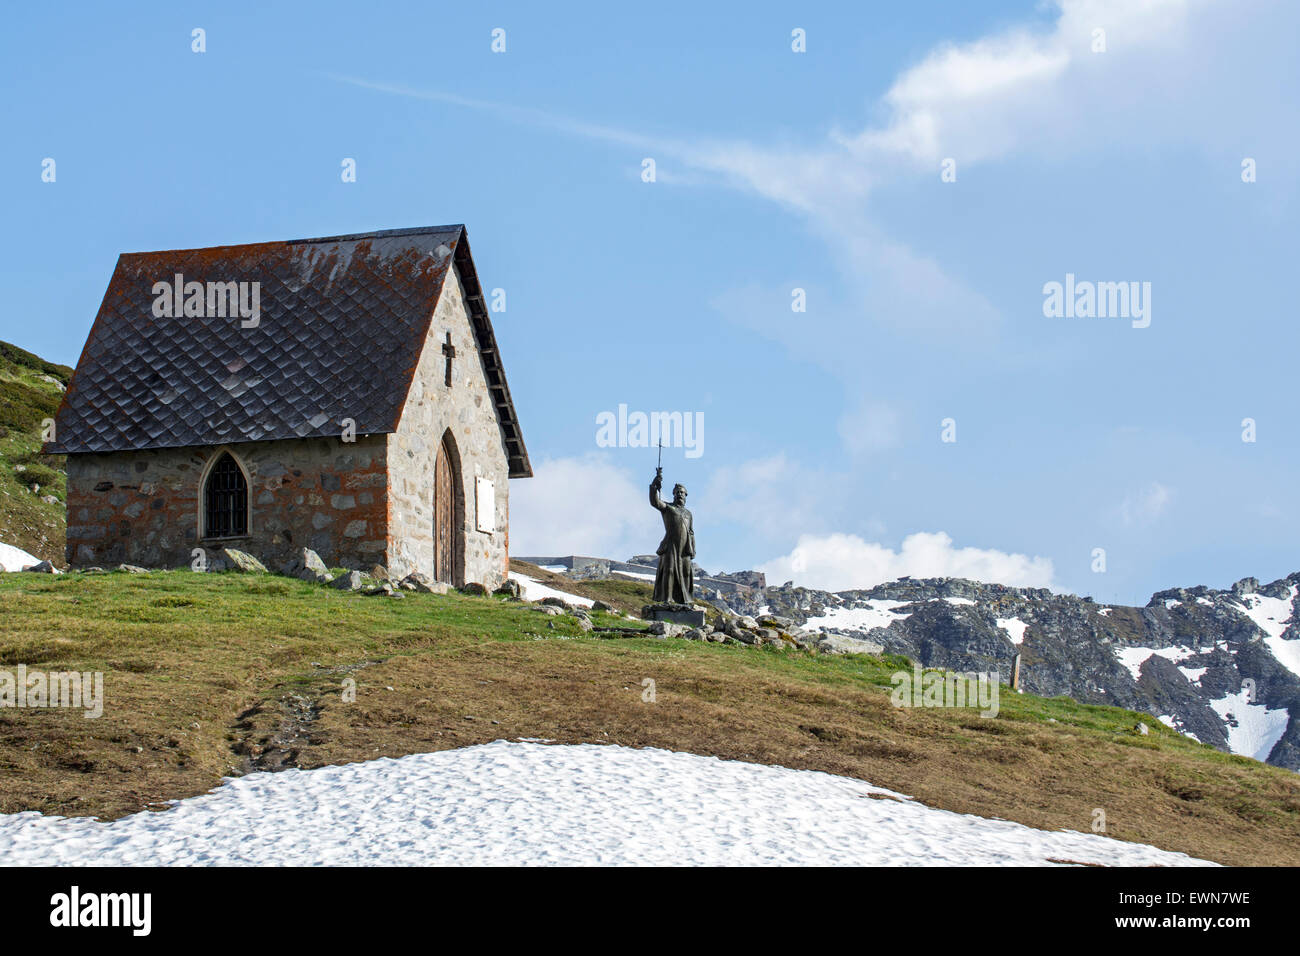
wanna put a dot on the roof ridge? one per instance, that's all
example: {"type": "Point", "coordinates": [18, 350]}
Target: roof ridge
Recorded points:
{"type": "Point", "coordinates": [348, 237]}
{"type": "Point", "coordinates": [381, 233]}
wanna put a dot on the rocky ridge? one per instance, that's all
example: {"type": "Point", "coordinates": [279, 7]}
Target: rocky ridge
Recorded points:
{"type": "Point", "coordinates": [1222, 666]}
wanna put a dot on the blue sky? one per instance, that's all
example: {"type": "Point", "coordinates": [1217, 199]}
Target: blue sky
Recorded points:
{"type": "Point", "coordinates": [822, 458]}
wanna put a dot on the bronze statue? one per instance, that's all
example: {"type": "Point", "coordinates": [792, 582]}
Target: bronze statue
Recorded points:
{"type": "Point", "coordinates": [675, 578]}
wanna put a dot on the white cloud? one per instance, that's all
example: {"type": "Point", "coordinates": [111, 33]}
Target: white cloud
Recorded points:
{"type": "Point", "coordinates": [581, 506]}
{"type": "Point", "coordinates": [838, 562]}
{"type": "Point", "coordinates": [1021, 88]}
{"type": "Point", "coordinates": [779, 497]}
{"type": "Point", "coordinates": [1145, 506]}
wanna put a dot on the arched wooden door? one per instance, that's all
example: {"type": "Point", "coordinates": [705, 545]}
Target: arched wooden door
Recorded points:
{"type": "Point", "coordinates": [444, 513]}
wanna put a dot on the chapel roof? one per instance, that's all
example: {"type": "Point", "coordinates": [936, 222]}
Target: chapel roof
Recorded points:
{"type": "Point", "coordinates": [343, 322]}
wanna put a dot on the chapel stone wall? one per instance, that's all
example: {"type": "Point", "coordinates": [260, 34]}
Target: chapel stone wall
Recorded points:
{"type": "Point", "coordinates": [143, 507]}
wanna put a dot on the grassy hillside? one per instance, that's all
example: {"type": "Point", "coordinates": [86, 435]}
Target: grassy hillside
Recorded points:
{"type": "Point", "coordinates": [213, 675]}
{"type": "Point", "coordinates": [628, 596]}
{"type": "Point", "coordinates": [30, 391]}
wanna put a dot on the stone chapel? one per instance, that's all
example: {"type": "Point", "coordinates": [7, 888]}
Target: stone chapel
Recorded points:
{"type": "Point", "coordinates": [343, 394]}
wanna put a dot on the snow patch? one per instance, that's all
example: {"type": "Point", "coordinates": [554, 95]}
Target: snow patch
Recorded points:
{"type": "Point", "coordinates": [507, 804]}
{"type": "Point", "coordinates": [1014, 627]}
{"type": "Point", "coordinates": [1272, 616]}
{"type": "Point", "coordinates": [634, 575]}
{"type": "Point", "coordinates": [534, 590]}
{"type": "Point", "coordinates": [15, 559]}
{"type": "Point", "coordinates": [866, 617]}
{"type": "Point", "coordinates": [1253, 729]}
{"type": "Point", "coordinates": [1134, 657]}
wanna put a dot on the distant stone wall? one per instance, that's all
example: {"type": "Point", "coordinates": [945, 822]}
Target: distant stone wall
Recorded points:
{"type": "Point", "coordinates": [749, 579]}
{"type": "Point", "coordinates": [143, 507]}
{"type": "Point", "coordinates": [431, 409]}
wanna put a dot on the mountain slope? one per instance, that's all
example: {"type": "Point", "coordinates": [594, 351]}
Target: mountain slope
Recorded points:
{"type": "Point", "coordinates": [33, 486]}
{"type": "Point", "coordinates": [1220, 666]}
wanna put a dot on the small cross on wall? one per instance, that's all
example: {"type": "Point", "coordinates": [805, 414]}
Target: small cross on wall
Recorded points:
{"type": "Point", "coordinates": [449, 350]}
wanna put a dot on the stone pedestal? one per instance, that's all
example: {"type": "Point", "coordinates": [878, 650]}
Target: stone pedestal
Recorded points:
{"type": "Point", "coordinates": [687, 614]}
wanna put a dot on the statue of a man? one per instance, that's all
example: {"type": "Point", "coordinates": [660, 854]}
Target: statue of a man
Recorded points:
{"type": "Point", "coordinates": [675, 579]}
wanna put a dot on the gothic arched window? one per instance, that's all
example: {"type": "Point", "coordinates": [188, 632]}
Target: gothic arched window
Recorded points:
{"type": "Point", "coordinates": [225, 500]}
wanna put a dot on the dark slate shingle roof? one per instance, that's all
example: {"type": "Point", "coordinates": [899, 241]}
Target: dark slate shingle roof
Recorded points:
{"type": "Point", "coordinates": [343, 321]}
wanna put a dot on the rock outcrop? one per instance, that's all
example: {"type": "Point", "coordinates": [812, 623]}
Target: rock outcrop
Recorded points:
{"type": "Point", "coordinates": [1222, 666]}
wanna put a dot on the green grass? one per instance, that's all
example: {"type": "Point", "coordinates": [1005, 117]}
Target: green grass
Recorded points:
{"type": "Point", "coordinates": [626, 595]}
{"type": "Point", "coordinates": [27, 398]}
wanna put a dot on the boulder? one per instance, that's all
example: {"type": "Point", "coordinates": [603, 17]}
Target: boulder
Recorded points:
{"type": "Point", "coordinates": [419, 581]}
{"type": "Point", "coordinates": [838, 644]}
{"type": "Point", "coordinates": [349, 581]}
{"type": "Point", "coordinates": [307, 565]}
{"type": "Point", "coordinates": [242, 561]}
{"type": "Point", "coordinates": [668, 629]}
{"type": "Point", "coordinates": [132, 569]}
{"type": "Point", "coordinates": [510, 589]}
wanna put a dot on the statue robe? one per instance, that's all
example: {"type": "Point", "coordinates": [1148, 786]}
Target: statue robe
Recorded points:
{"type": "Point", "coordinates": [675, 577]}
